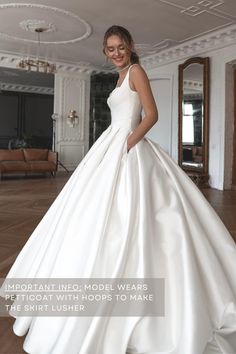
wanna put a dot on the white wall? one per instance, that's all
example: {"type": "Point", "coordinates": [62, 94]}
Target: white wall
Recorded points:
{"type": "Point", "coordinates": [72, 91]}
{"type": "Point", "coordinates": [161, 132]}
{"type": "Point", "coordinates": [169, 116]}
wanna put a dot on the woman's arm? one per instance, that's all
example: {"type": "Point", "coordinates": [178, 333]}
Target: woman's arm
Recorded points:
{"type": "Point", "coordinates": [139, 82]}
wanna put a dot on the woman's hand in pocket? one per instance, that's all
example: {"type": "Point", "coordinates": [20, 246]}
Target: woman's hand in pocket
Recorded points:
{"type": "Point", "coordinates": [129, 144]}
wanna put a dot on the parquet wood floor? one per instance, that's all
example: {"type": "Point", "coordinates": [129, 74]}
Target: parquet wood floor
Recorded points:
{"type": "Point", "coordinates": [24, 201]}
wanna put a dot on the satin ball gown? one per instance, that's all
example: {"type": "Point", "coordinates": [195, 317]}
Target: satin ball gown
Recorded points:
{"type": "Point", "coordinates": [133, 214]}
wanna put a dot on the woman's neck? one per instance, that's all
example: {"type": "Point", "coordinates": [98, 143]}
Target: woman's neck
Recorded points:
{"type": "Point", "coordinates": [126, 67]}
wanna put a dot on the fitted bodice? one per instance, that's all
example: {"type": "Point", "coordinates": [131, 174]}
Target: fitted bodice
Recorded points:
{"type": "Point", "coordinates": [125, 105]}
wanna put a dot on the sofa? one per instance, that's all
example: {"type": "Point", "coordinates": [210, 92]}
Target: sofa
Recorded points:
{"type": "Point", "coordinates": [28, 160]}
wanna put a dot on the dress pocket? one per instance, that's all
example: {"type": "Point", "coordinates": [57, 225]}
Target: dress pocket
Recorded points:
{"type": "Point", "coordinates": [126, 143]}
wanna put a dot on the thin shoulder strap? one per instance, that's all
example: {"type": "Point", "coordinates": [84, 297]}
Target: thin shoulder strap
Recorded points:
{"type": "Point", "coordinates": [129, 69]}
{"type": "Point", "coordinates": [131, 66]}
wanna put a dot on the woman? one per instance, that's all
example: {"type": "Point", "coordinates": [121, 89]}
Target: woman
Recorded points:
{"type": "Point", "coordinates": [119, 48]}
{"type": "Point", "coordinates": [129, 211]}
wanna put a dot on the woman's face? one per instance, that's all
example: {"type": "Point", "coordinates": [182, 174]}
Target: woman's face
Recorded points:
{"type": "Point", "coordinates": [117, 52]}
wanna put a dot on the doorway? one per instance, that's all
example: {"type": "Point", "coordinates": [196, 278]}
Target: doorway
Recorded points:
{"type": "Point", "coordinates": [230, 127]}
{"type": "Point", "coordinates": [234, 137]}
{"type": "Point", "coordinates": [26, 101]}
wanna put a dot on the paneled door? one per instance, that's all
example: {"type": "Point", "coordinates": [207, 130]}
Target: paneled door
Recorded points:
{"type": "Point", "coordinates": [234, 143]}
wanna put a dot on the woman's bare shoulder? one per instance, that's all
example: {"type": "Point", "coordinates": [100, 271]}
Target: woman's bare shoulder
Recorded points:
{"type": "Point", "coordinates": [137, 68]}
{"type": "Point", "coordinates": [137, 74]}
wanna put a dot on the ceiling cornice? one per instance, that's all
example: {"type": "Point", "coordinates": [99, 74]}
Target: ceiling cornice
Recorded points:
{"type": "Point", "coordinates": [26, 88]}
{"type": "Point", "coordinates": [216, 40]}
{"type": "Point", "coordinates": [11, 60]}
{"type": "Point", "coordinates": [193, 85]}
{"type": "Point", "coordinates": [213, 41]}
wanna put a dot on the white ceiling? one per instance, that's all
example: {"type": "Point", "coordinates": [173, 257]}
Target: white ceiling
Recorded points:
{"type": "Point", "coordinates": [76, 29]}
{"type": "Point", "coordinates": [77, 26]}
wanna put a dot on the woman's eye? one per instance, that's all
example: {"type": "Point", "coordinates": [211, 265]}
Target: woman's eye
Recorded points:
{"type": "Point", "coordinates": [110, 50]}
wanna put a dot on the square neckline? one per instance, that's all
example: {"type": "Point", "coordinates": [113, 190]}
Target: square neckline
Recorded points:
{"type": "Point", "coordinates": [125, 76]}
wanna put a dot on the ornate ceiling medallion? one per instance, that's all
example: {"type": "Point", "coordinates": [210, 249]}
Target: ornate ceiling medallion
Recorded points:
{"type": "Point", "coordinates": [77, 24]}
{"type": "Point", "coordinates": [32, 25]}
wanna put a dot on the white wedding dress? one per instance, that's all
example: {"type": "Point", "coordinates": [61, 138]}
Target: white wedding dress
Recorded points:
{"type": "Point", "coordinates": [134, 215]}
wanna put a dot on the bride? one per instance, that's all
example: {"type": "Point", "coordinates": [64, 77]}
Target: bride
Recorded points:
{"type": "Point", "coordinates": [129, 211]}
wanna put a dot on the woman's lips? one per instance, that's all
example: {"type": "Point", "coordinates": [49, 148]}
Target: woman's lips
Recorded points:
{"type": "Point", "coordinates": [119, 60]}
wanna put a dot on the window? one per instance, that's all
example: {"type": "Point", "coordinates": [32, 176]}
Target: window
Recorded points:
{"type": "Point", "coordinates": [188, 127]}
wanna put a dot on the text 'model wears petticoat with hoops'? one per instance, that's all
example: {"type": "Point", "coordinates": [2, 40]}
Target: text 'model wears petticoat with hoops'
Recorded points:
{"type": "Point", "coordinates": [148, 221]}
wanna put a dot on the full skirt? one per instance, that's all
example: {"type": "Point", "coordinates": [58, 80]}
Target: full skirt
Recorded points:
{"type": "Point", "coordinates": [134, 215]}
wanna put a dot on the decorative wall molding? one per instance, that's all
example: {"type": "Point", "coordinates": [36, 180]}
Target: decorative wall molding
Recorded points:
{"type": "Point", "coordinates": [61, 132]}
{"type": "Point", "coordinates": [82, 111]}
{"type": "Point", "coordinates": [11, 60]}
{"type": "Point", "coordinates": [70, 28]}
{"type": "Point", "coordinates": [67, 133]}
{"type": "Point", "coordinates": [199, 7]}
{"type": "Point", "coordinates": [80, 22]}
{"type": "Point", "coordinates": [26, 88]}
{"type": "Point", "coordinates": [212, 41]}
{"type": "Point", "coordinates": [71, 92]}
{"type": "Point", "coordinates": [148, 49]}
{"type": "Point", "coordinates": [196, 8]}
{"type": "Point", "coordinates": [71, 154]}
{"type": "Point", "coordinates": [193, 85]}
{"type": "Point", "coordinates": [160, 53]}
